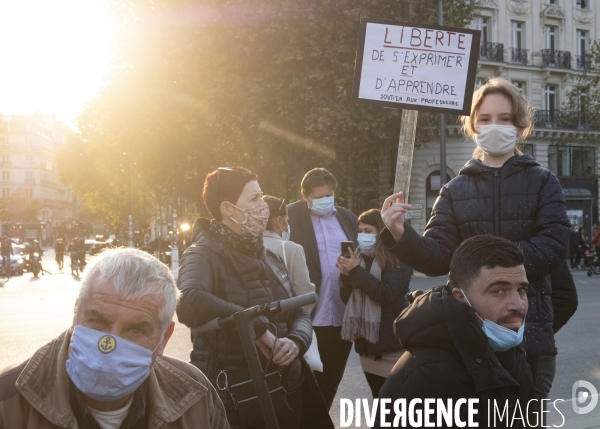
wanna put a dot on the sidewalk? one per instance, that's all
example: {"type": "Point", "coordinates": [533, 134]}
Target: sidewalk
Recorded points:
{"type": "Point", "coordinates": [566, 417]}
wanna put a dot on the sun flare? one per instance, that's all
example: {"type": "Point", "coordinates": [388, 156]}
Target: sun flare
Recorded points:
{"type": "Point", "coordinates": [54, 54]}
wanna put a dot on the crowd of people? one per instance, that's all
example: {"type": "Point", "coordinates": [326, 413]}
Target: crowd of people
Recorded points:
{"type": "Point", "coordinates": [499, 230]}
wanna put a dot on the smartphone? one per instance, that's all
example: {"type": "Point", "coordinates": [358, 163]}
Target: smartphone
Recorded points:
{"type": "Point", "coordinates": [345, 246]}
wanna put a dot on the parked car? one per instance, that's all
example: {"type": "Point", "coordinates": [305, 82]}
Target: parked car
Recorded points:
{"type": "Point", "coordinates": [97, 247]}
{"type": "Point", "coordinates": [113, 242]}
{"type": "Point", "coordinates": [89, 242]}
{"type": "Point", "coordinates": [17, 259]}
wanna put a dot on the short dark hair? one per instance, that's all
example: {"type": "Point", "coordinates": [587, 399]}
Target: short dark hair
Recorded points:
{"type": "Point", "coordinates": [317, 177]}
{"type": "Point", "coordinates": [277, 207]}
{"type": "Point", "coordinates": [224, 184]}
{"type": "Point", "coordinates": [478, 252]}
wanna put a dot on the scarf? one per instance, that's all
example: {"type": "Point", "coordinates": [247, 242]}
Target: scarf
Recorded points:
{"type": "Point", "coordinates": [247, 244]}
{"type": "Point", "coordinates": [363, 314]}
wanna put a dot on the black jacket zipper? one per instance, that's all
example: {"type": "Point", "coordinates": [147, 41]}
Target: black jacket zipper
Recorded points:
{"type": "Point", "coordinates": [497, 202]}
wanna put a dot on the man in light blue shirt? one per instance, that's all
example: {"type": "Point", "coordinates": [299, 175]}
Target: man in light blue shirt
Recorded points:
{"type": "Point", "coordinates": [320, 226]}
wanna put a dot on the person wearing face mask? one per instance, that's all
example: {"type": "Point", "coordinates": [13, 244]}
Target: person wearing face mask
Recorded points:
{"type": "Point", "coordinates": [319, 226]}
{"type": "Point", "coordinates": [374, 285]}
{"type": "Point", "coordinates": [276, 238]}
{"type": "Point", "coordinates": [108, 370]}
{"type": "Point", "coordinates": [465, 340]}
{"type": "Point", "coordinates": [226, 270]}
{"type": "Point", "coordinates": [506, 194]}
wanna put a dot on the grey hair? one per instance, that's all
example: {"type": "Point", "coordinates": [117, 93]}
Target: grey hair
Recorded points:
{"type": "Point", "coordinates": [134, 274]}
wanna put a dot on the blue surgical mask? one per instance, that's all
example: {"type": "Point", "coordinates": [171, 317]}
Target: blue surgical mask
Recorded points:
{"type": "Point", "coordinates": [322, 206]}
{"type": "Point", "coordinates": [106, 367]}
{"type": "Point", "coordinates": [366, 241]}
{"type": "Point", "coordinates": [499, 338]}
{"type": "Point", "coordinates": [285, 235]}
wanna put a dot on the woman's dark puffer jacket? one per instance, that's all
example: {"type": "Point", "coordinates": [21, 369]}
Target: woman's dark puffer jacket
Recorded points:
{"type": "Point", "coordinates": [211, 285]}
{"type": "Point", "coordinates": [390, 292]}
{"type": "Point", "coordinates": [519, 201]}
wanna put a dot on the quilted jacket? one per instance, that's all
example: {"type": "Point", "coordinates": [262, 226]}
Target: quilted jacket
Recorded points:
{"type": "Point", "coordinates": [216, 281]}
{"type": "Point", "coordinates": [520, 201]}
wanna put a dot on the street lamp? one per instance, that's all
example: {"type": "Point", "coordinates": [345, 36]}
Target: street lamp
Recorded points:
{"type": "Point", "coordinates": [174, 250]}
{"type": "Point", "coordinates": [185, 227]}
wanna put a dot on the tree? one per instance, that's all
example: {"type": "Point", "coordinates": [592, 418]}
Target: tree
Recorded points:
{"type": "Point", "coordinates": [265, 84]}
{"type": "Point", "coordinates": [20, 207]}
{"type": "Point", "coordinates": [582, 105]}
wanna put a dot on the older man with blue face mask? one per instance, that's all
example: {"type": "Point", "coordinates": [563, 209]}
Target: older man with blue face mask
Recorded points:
{"type": "Point", "coordinates": [108, 369]}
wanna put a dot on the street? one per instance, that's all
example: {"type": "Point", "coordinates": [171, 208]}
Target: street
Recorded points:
{"type": "Point", "coordinates": [33, 311]}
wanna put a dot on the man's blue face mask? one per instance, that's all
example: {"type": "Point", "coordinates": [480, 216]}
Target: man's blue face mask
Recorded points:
{"type": "Point", "coordinates": [322, 206]}
{"type": "Point", "coordinates": [106, 367]}
{"type": "Point", "coordinates": [499, 338]}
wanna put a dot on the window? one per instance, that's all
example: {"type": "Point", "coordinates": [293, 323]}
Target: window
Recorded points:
{"type": "Point", "coordinates": [520, 86]}
{"type": "Point", "coordinates": [6, 175]}
{"type": "Point", "coordinates": [29, 175]}
{"type": "Point", "coordinates": [27, 143]}
{"type": "Point", "coordinates": [527, 149]}
{"type": "Point", "coordinates": [28, 158]}
{"type": "Point", "coordinates": [480, 23]}
{"type": "Point", "coordinates": [581, 4]}
{"type": "Point", "coordinates": [551, 1]}
{"type": "Point", "coordinates": [30, 193]}
{"type": "Point", "coordinates": [550, 33]}
{"type": "Point", "coordinates": [516, 34]}
{"type": "Point", "coordinates": [432, 186]}
{"type": "Point", "coordinates": [582, 44]}
{"type": "Point", "coordinates": [578, 161]}
{"type": "Point", "coordinates": [5, 192]}
{"type": "Point", "coordinates": [5, 159]}
{"type": "Point", "coordinates": [550, 99]}
{"type": "Point", "coordinates": [582, 37]}
{"type": "Point", "coordinates": [581, 103]}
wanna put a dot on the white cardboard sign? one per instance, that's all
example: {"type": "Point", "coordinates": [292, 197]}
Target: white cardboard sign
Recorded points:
{"type": "Point", "coordinates": [416, 67]}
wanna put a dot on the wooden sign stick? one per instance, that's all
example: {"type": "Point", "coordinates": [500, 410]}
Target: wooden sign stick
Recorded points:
{"type": "Point", "coordinates": [406, 147]}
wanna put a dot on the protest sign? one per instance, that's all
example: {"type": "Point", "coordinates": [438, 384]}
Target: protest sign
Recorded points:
{"type": "Point", "coordinates": [418, 67]}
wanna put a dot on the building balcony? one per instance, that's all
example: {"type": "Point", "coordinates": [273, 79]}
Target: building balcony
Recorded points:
{"type": "Point", "coordinates": [518, 56]}
{"type": "Point", "coordinates": [583, 62]}
{"type": "Point", "coordinates": [491, 51]}
{"type": "Point", "coordinates": [565, 119]}
{"type": "Point", "coordinates": [556, 59]}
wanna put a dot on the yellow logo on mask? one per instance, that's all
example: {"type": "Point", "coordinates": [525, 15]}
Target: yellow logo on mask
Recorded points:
{"type": "Point", "coordinates": [107, 344]}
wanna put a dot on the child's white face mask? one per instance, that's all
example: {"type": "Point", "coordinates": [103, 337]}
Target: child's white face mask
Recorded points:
{"type": "Point", "coordinates": [496, 139]}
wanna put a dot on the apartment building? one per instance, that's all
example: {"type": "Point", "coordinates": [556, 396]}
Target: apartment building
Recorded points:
{"type": "Point", "coordinates": [28, 149]}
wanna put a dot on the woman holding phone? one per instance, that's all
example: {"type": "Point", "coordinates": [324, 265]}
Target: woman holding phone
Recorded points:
{"type": "Point", "coordinates": [373, 284]}
{"type": "Point", "coordinates": [500, 192]}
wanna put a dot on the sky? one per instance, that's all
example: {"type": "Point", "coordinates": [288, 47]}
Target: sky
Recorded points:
{"type": "Point", "coordinates": [54, 55]}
